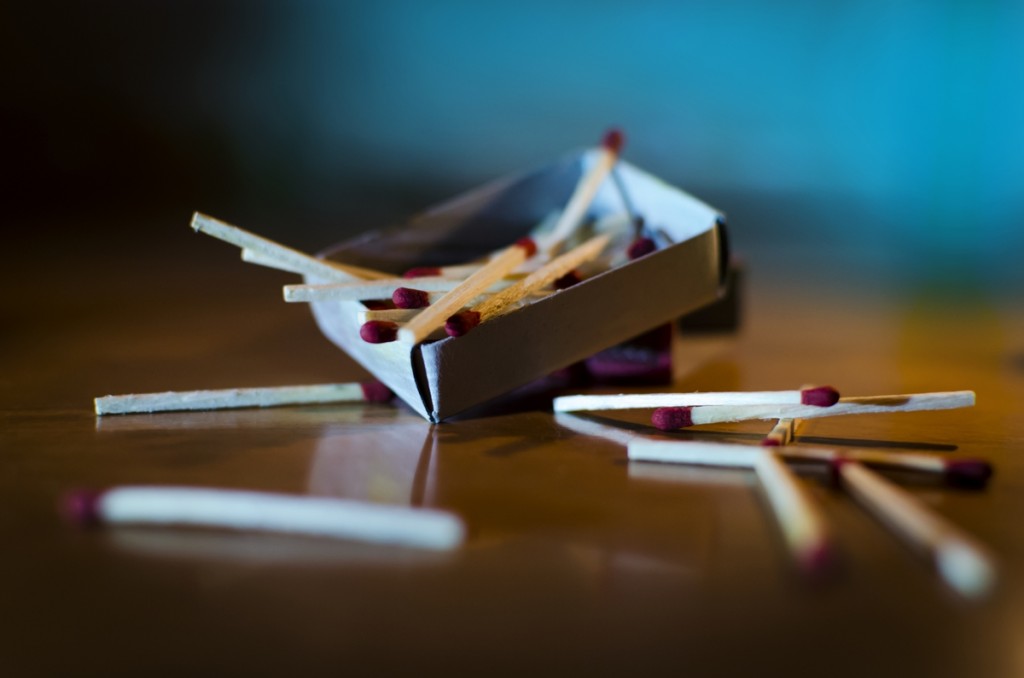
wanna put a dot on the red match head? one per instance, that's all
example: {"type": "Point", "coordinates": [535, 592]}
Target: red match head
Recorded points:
{"type": "Point", "coordinates": [821, 396]}
{"type": "Point", "coordinates": [378, 331]}
{"type": "Point", "coordinates": [376, 392]}
{"type": "Point", "coordinates": [835, 469]}
{"type": "Point", "coordinates": [671, 418]}
{"type": "Point", "coordinates": [567, 280]}
{"type": "Point", "coordinates": [407, 297]}
{"type": "Point", "coordinates": [422, 272]}
{"type": "Point", "coordinates": [641, 247]}
{"type": "Point", "coordinates": [613, 140]}
{"type": "Point", "coordinates": [527, 244]}
{"type": "Point", "coordinates": [968, 473]}
{"type": "Point", "coordinates": [461, 323]}
{"type": "Point", "coordinates": [80, 507]}
{"type": "Point", "coordinates": [770, 441]}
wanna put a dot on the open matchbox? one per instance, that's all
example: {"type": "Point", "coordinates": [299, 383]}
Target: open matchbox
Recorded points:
{"type": "Point", "coordinates": [441, 378]}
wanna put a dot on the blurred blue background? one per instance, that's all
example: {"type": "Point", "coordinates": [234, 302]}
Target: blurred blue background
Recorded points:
{"type": "Point", "coordinates": [880, 139]}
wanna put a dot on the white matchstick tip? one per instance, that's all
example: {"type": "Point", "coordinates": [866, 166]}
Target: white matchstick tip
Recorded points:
{"type": "Point", "coordinates": [613, 140]}
{"type": "Point", "coordinates": [821, 396]}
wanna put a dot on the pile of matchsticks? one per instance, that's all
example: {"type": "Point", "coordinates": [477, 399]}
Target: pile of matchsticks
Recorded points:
{"type": "Point", "coordinates": [430, 303]}
{"type": "Point", "coordinates": [963, 563]}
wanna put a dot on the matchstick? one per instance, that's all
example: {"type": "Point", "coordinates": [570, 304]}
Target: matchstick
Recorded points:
{"type": "Point", "coordinates": [288, 258]}
{"type": "Point", "coordinates": [802, 523]}
{"type": "Point", "coordinates": [502, 302]}
{"type": "Point", "coordinates": [670, 418]}
{"type": "Point", "coordinates": [584, 193]}
{"type": "Point", "coordinates": [177, 401]}
{"type": "Point", "coordinates": [783, 433]}
{"type": "Point", "coordinates": [261, 259]}
{"type": "Point", "coordinates": [391, 315]}
{"type": "Point", "coordinates": [822, 396]}
{"type": "Point", "coordinates": [961, 562]}
{"type": "Point", "coordinates": [459, 271]}
{"type": "Point", "coordinates": [268, 512]}
{"type": "Point", "coordinates": [433, 317]}
{"type": "Point", "coordinates": [960, 472]}
{"type": "Point", "coordinates": [370, 289]}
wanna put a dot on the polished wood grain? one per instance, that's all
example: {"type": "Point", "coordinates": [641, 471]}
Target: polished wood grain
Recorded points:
{"type": "Point", "coordinates": [576, 561]}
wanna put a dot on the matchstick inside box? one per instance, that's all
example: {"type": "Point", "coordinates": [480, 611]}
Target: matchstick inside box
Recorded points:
{"type": "Point", "coordinates": [621, 294]}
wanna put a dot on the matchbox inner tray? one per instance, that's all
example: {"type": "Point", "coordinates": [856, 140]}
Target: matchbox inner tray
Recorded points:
{"type": "Point", "coordinates": [441, 378]}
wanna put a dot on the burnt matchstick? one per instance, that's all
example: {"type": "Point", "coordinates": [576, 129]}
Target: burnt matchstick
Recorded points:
{"type": "Point", "coordinates": [268, 250]}
{"type": "Point", "coordinates": [504, 301]}
{"type": "Point", "coordinates": [802, 523]}
{"type": "Point", "coordinates": [178, 401]}
{"type": "Point", "coordinates": [378, 331]}
{"type": "Point", "coordinates": [266, 512]}
{"type": "Point", "coordinates": [585, 191]}
{"type": "Point", "coordinates": [434, 316]}
{"type": "Point", "coordinates": [962, 563]}
{"type": "Point", "coordinates": [819, 396]}
{"type": "Point", "coordinates": [675, 417]}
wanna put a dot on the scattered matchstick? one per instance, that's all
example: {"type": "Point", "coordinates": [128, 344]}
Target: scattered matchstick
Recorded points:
{"type": "Point", "coordinates": [959, 472]}
{"type": "Point", "coordinates": [287, 258]}
{"type": "Point", "coordinates": [264, 511]}
{"type": "Point", "coordinates": [821, 396]}
{"type": "Point", "coordinates": [674, 417]}
{"type": "Point", "coordinates": [500, 303]}
{"type": "Point", "coordinates": [433, 317]}
{"type": "Point", "coordinates": [802, 523]}
{"type": "Point", "coordinates": [783, 433]}
{"type": "Point", "coordinates": [585, 191]}
{"type": "Point", "coordinates": [180, 401]}
{"type": "Point", "coordinates": [961, 562]}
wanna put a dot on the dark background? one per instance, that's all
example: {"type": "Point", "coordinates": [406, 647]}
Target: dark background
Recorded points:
{"type": "Point", "coordinates": [857, 142]}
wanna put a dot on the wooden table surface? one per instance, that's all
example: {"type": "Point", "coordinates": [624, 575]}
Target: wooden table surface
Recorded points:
{"type": "Point", "coordinates": [576, 561]}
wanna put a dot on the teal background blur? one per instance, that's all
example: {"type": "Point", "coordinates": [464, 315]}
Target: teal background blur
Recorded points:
{"type": "Point", "coordinates": [882, 142]}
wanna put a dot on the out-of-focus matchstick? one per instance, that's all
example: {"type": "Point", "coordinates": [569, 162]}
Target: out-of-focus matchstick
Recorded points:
{"type": "Point", "coordinates": [178, 401]}
{"type": "Point", "coordinates": [674, 417]}
{"type": "Point", "coordinates": [433, 317]}
{"type": "Point", "coordinates": [584, 193]}
{"type": "Point", "coordinates": [783, 433]}
{"type": "Point", "coordinates": [964, 472]}
{"type": "Point", "coordinates": [500, 303]}
{"type": "Point", "coordinates": [262, 259]}
{"type": "Point", "coordinates": [963, 564]}
{"type": "Point", "coordinates": [376, 289]}
{"type": "Point", "coordinates": [820, 396]}
{"type": "Point", "coordinates": [391, 315]}
{"type": "Point", "coordinates": [802, 523]}
{"type": "Point", "coordinates": [267, 512]}
{"type": "Point", "coordinates": [378, 331]}
{"type": "Point", "coordinates": [459, 271]}
{"type": "Point", "coordinates": [288, 258]}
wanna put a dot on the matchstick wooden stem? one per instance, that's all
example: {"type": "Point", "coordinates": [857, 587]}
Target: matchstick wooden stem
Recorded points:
{"type": "Point", "coordinates": [261, 259]}
{"type": "Point", "coordinates": [783, 433]}
{"type": "Point", "coordinates": [172, 401]}
{"type": "Point", "coordinates": [802, 523]}
{"type": "Point", "coordinates": [377, 289]}
{"type": "Point", "coordinates": [263, 511]}
{"type": "Point", "coordinates": [504, 301]}
{"type": "Point", "coordinates": [961, 562]}
{"type": "Point", "coordinates": [287, 258]}
{"type": "Point", "coordinates": [582, 196]}
{"type": "Point", "coordinates": [433, 317]}
{"type": "Point", "coordinates": [575, 403]}
{"type": "Point", "coordinates": [714, 414]}
{"type": "Point", "coordinates": [391, 315]}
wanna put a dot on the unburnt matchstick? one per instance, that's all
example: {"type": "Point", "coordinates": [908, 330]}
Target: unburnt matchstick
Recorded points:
{"type": "Point", "coordinates": [675, 417]}
{"type": "Point", "coordinates": [269, 251]}
{"type": "Point", "coordinates": [460, 271]}
{"type": "Point", "coordinates": [502, 302]}
{"type": "Point", "coordinates": [378, 331]}
{"type": "Point", "coordinates": [783, 433]}
{"type": "Point", "coordinates": [584, 193]}
{"type": "Point", "coordinates": [267, 512]}
{"type": "Point", "coordinates": [392, 315]}
{"type": "Point", "coordinates": [959, 472]}
{"type": "Point", "coordinates": [376, 289]}
{"type": "Point", "coordinates": [434, 316]}
{"type": "Point", "coordinates": [962, 563]}
{"type": "Point", "coordinates": [178, 401]}
{"type": "Point", "coordinates": [802, 523]}
{"type": "Point", "coordinates": [819, 396]}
